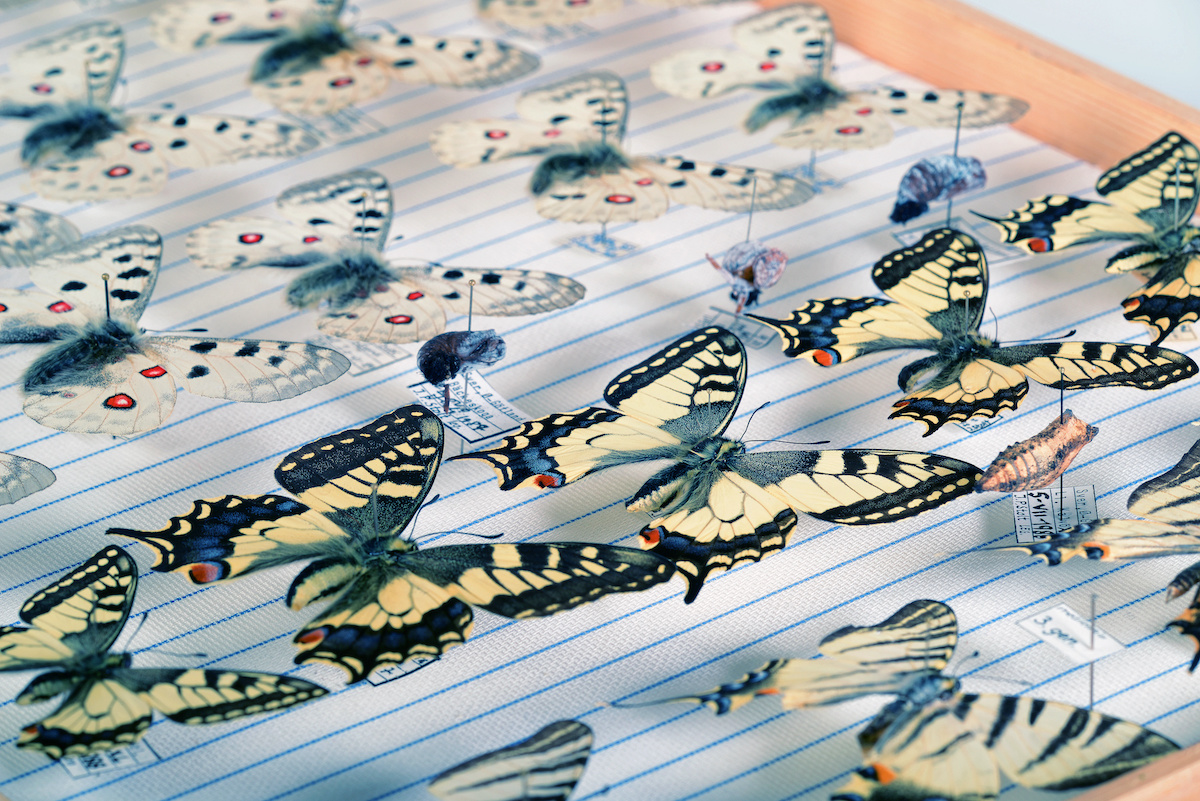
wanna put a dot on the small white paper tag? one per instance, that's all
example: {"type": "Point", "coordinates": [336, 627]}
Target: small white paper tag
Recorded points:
{"type": "Point", "coordinates": [364, 356]}
{"type": "Point", "coordinates": [127, 756]}
{"type": "Point", "coordinates": [1182, 333]}
{"type": "Point", "coordinates": [1064, 630]}
{"type": "Point", "coordinates": [392, 672]}
{"type": "Point", "coordinates": [752, 333]}
{"type": "Point", "coordinates": [477, 411]}
{"type": "Point", "coordinates": [1039, 514]}
{"type": "Point", "coordinates": [974, 424]}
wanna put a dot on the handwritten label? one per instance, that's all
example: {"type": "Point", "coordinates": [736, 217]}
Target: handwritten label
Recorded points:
{"type": "Point", "coordinates": [1039, 514]}
{"type": "Point", "coordinates": [752, 333]}
{"type": "Point", "coordinates": [477, 411]}
{"type": "Point", "coordinates": [1064, 630]}
{"type": "Point", "coordinates": [364, 356]}
{"type": "Point", "coordinates": [973, 424]}
{"type": "Point", "coordinates": [996, 252]}
{"type": "Point", "coordinates": [392, 672]}
{"type": "Point", "coordinates": [1182, 333]}
{"type": "Point", "coordinates": [603, 244]}
{"type": "Point", "coordinates": [127, 756]}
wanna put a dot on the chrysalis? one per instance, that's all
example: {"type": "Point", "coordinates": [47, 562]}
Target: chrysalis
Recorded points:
{"type": "Point", "coordinates": [442, 358]}
{"type": "Point", "coordinates": [933, 179]}
{"type": "Point", "coordinates": [1038, 461]}
{"type": "Point", "coordinates": [749, 268]}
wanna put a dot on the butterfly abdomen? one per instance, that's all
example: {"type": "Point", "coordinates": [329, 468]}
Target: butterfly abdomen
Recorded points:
{"type": "Point", "coordinates": [569, 166]}
{"type": "Point", "coordinates": [73, 363]}
{"type": "Point", "coordinates": [71, 131]}
{"type": "Point", "coordinates": [345, 279]}
{"type": "Point", "coordinates": [301, 51]}
{"type": "Point", "coordinates": [807, 96]}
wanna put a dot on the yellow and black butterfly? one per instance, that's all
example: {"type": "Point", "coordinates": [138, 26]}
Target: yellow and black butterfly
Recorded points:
{"type": "Point", "coordinates": [1171, 502]}
{"type": "Point", "coordinates": [72, 624]}
{"type": "Point", "coordinates": [938, 289]}
{"type": "Point", "coordinates": [357, 491]}
{"type": "Point", "coordinates": [1150, 198]}
{"type": "Point", "coordinates": [545, 766]}
{"type": "Point", "coordinates": [934, 740]}
{"type": "Point", "coordinates": [716, 506]}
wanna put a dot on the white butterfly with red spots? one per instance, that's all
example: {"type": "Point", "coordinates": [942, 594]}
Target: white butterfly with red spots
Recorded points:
{"type": "Point", "coordinates": [788, 52]}
{"type": "Point", "coordinates": [103, 375]}
{"type": "Point", "coordinates": [577, 125]}
{"type": "Point", "coordinates": [81, 148]}
{"type": "Point", "coordinates": [316, 65]}
{"type": "Point", "coordinates": [335, 228]}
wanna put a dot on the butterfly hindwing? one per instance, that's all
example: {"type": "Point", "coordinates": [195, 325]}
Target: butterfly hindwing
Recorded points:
{"type": "Point", "coordinates": [28, 234]}
{"type": "Point", "coordinates": [20, 477]}
{"type": "Point", "coordinates": [192, 24]}
{"type": "Point", "coordinates": [546, 765]}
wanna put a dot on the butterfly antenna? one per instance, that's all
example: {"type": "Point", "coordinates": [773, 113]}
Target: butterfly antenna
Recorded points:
{"type": "Point", "coordinates": [413, 523]}
{"type": "Point", "coordinates": [791, 442]}
{"type": "Point", "coordinates": [756, 411]}
{"type": "Point", "coordinates": [107, 307]}
{"type": "Point", "coordinates": [750, 216]}
{"type": "Point", "coordinates": [1070, 333]}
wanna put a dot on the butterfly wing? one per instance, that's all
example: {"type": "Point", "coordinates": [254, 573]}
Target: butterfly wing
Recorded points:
{"type": "Point", "coordinates": [593, 101]}
{"type": "Point", "coordinates": [1171, 297]}
{"type": "Point", "coordinates": [546, 765]}
{"type": "Point", "coordinates": [125, 165]}
{"type": "Point", "coordinates": [290, 77]}
{"type": "Point", "coordinates": [620, 194]}
{"type": "Point", "coordinates": [82, 63]}
{"type": "Point", "coordinates": [192, 24]}
{"type": "Point", "coordinates": [20, 477]}
{"type": "Point", "coordinates": [453, 61]}
{"type": "Point", "coordinates": [27, 234]}
{"type": "Point", "coordinates": [420, 604]}
{"type": "Point", "coordinates": [537, 13]}
{"type": "Point", "coordinates": [202, 140]}
{"type": "Point", "coordinates": [33, 316]}
{"type": "Point", "coordinates": [725, 186]}
{"type": "Point", "coordinates": [711, 72]}
{"type": "Point", "coordinates": [799, 34]}
{"type": "Point", "coordinates": [852, 122]}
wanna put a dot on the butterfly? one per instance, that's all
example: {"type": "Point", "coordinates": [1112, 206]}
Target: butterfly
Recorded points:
{"type": "Point", "coordinates": [1149, 199]}
{"type": "Point", "coordinates": [72, 624]}
{"type": "Point", "coordinates": [105, 376]}
{"type": "Point", "coordinates": [576, 125]}
{"type": "Point", "coordinates": [938, 178]}
{"type": "Point", "coordinates": [357, 490]}
{"type": "Point", "coordinates": [1171, 504]}
{"type": "Point", "coordinates": [536, 13]}
{"type": "Point", "coordinates": [20, 477]}
{"type": "Point", "coordinates": [715, 505]}
{"type": "Point", "coordinates": [335, 229]}
{"type": "Point", "coordinates": [934, 740]}
{"type": "Point", "coordinates": [81, 148]}
{"type": "Point", "coordinates": [316, 65]}
{"type": "Point", "coordinates": [938, 290]}
{"type": "Point", "coordinates": [27, 234]}
{"type": "Point", "coordinates": [788, 52]}
{"type": "Point", "coordinates": [545, 766]}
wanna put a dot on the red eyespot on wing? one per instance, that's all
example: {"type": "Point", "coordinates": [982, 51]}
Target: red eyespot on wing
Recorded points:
{"type": "Point", "coordinates": [496, 134]}
{"type": "Point", "coordinates": [250, 239]}
{"type": "Point", "coordinates": [120, 401]}
{"type": "Point", "coordinates": [154, 372]}
{"type": "Point", "coordinates": [1041, 245]}
{"type": "Point", "coordinates": [651, 536]}
{"type": "Point", "coordinates": [276, 13]}
{"type": "Point", "coordinates": [338, 83]}
{"type": "Point", "coordinates": [901, 404]}
{"type": "Point", "coordinates": [865, 111]}
{"type": "Point", "coordinates": [205, 572]}
{"type": "Point", "coordinates": [547, 482]}
{"type": "Point", "coordinates": [767, 66]}
{"type": "Point", "coordinates": [578, 2]}
{"type": "Point", "coordinates": [43, 88]}
{"type": "Point", "coordinates": [644, 181]}
{"type": "Point", "coordinates": [552, 133]}
{"type": "Point", "coordinates": [618, 199]}
{"type": "Point", "coordinates": [60, 307]}
{"type": "Point", "coordinates": [141, 146]}
{"type": "Point", "coordinates": [415, 295]}
{"type": "Point", "coordinates": [217, 19]}
{"type": "Point", "coordinates": [313, 637]}
{"type": "Point", "coordinates": [1129, 304]}
{"type": "Point", "coordinates": [119, 171]}
{"type": "Point", "coordinates": [399, 319]}
{"type": "Point", "coordinates": [308, 240]}
{"type": "Point", "coordinates": [363, 62]}
{"type": "Point", "coordinates": [883, 774]}
{"type": "Point", "coordinates": [849, 130]}
{"type": "Point", "coordinates": [712, 66]}
{"type": "Point", "coordinates": [826, 357]}
{"type": "Point", "coordinates": [32, 729]}
{"type": "Point", "coordinates": [3, 308]}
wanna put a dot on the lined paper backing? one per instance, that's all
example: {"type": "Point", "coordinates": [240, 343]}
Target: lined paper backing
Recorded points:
{"type": "Point", "coordinates": [512, 677]}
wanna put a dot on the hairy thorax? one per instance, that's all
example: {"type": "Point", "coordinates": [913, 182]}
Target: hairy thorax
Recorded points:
{"type": "Point", "coordinates": [70, 131]}
{"type": "Point", "coordinates": [347, 278]}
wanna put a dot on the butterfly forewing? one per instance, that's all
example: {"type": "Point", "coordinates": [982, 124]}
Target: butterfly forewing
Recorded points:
{"type": "Point", "coordinates": [86, 608]}
{"type": "Point", "coordinates": [82, 63]}
{"type": "Point", "coordinates": [192, 24]}
{"type": "Point", "coordinates": [355, 207]}
{"type": "Point", "coordinates": [593, 101]}
{"type": "Point", "coordinates": [28, 234]}
{"type": "Point", "coordinates": [1174, 496]}
{"type": "Point", "coordinates": [944, 277]}
{"type": "Point", "coordinates": [712, 72]}
{"type": "Point", "coordinates": [126, 259]}
{"type": "Point", "coordinates": [545, 766]}
{"type": "Point", "coordinates": [725, 186]}
{"type": "Point", "coordinates": [372, 478]}
{"type": "Point", "coordinates": [456, 61]}
{"type": "Point", "coordinates": [1157, 183]}
{"type": "Point", "coordinates": [691, 388]}
{"type": "Point", "coordinates": [796, 35]}
{"type": "Point", "coordinates": [535, 13]}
